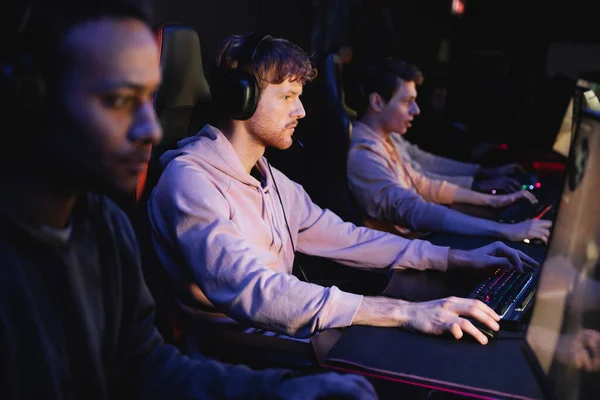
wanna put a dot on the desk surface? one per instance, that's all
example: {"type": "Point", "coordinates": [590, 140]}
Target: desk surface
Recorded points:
{"type": "Point", "coordinates": [464, 367]}
{"type": "Point", "coordinates": [497, 370]}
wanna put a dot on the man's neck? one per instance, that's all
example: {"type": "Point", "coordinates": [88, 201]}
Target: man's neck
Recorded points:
{"type": "Point", "coordinates": [375, 124]}
{"type": "Point", "coordinates": [35, 199]}
{"type": "Point", "coordinates": [248, 149]}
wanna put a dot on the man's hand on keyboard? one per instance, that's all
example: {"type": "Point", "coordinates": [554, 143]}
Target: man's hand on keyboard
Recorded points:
{"type": "Point", "coordinates": [530, 229]}
{"type": "Point", "coordinates": [440, 316]}
{"type": "Point", "coordinates": [494, 255]}
{"type": "Point", "coordinates": [507, 199]}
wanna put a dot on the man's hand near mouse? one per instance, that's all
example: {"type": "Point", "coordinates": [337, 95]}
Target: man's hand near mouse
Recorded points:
{"type": "Point", "coordinates": [431, 317]}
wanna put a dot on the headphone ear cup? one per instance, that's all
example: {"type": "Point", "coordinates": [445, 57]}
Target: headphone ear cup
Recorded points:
{"type": "Point", "coordinates": [237, 94]}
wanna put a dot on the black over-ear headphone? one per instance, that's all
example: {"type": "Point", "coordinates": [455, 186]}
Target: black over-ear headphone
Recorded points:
{"type": "Point", "coordinates": [238, 90]}
{"type": "Point", "coordinates": [21, 83]}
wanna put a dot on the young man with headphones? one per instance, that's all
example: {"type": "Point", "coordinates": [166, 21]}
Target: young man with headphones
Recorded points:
{"type": "Point", "coordinates": [226, 225]}
{"type": "Point", "coordinates": [464, 174]}
{"type": "Point", "coordinates": [394, 195]}
{"type": "Point", "coordinates": [76, 318]}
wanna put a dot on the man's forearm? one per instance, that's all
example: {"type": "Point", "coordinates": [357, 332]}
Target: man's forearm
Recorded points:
{"type": "Point", "coordinates": [467, 196]}
{"type": "Point", "coordinates": [463, 224]}
{"type": "Point", "coordinates": [382, 311]}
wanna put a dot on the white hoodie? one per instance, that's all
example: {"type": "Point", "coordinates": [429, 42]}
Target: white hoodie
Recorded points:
{"type": "Point", "coordinates": [392, 194]}
{"type": "Point", "coordinates": [219, 233]}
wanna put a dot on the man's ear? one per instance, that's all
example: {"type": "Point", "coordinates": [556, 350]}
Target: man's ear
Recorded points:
{"type": "Point", "coordinates": [376, 103]}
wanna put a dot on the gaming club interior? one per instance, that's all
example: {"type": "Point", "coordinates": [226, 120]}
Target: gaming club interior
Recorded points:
{"type": "Point", "coordinates": [300, 199]}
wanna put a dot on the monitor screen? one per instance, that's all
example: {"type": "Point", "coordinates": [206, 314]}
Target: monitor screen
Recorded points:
{"type": "Point", "coordinates": [584, 96]}
{"type": "Point", "coordinates": [564, 333]}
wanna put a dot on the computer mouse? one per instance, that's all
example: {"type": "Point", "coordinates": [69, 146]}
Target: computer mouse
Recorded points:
{"type": "Point", "coordinates": [488, 332]}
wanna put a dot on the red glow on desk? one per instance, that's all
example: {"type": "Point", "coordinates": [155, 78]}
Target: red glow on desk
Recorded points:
{"type": "Point", "coordinates": [461, 391]}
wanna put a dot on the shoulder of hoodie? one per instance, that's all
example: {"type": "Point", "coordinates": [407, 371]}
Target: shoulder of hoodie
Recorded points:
{"type": "Point", "coordinates": [358, 138]}
{"type": "Point", "coordinates": [184, 179]}
{"type": "Point", "coordinates": [361, 143]}
{"type": "Point", "coordinates": [182, 166]}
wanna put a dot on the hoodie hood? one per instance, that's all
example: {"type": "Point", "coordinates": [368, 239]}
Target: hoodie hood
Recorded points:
{"type": "Point", "coordinates": [220, 154]}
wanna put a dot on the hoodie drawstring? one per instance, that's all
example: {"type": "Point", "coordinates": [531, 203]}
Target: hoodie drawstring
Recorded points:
{"type": "Point", "coordinates": [275, 222]}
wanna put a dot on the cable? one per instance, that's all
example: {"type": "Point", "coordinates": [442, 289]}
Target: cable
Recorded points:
{"type": "Point", "coordinates": [25, 18]}
{"type": "Point", "coordinates": [296, 262]}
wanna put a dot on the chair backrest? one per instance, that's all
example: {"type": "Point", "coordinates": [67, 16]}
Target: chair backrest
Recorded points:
{"type": "Point", "coordinates": [184, 83]}
{"type": "Point", "coordinates": [183, 94]}
{"type": "Point", "coordinates": [183, 89]}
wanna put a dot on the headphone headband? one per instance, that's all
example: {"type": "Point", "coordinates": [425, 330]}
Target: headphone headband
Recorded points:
{"type": "Point", "coordinates": [238, 90]}
{"type": "Point", "coordinates": [250, 48]}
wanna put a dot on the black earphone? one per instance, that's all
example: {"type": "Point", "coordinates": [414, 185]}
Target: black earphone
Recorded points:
{"type": "Point", "coordinates": [21, 81]}
{"type": "Point", "coordinates": [238, 91]}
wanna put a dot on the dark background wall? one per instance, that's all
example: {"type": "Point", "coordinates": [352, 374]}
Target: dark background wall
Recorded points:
{"type": "Point", "coordinates": [498, 50]}
{"type": "Point", "coordinates": [523, 29]}
{"type": "Point", "coordinates": [214, 19]}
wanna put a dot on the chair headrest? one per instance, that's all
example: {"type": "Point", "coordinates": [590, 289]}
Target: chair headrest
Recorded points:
{"type": "Point", "coordinates": [183, 80]}
{"type": "Point", "coordinates": [331, 71]}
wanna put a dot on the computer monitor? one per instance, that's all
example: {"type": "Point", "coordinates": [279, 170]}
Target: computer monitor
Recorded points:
{"type": "Point", "coordinates": [584, 96]}
{"type": "Point", "coordinates": [563, 337]}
